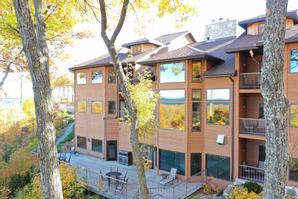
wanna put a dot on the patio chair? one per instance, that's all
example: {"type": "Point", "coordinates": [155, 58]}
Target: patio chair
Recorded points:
{"type": "Point", "coordinates": [68, 159]}
{"type": "Point", "coordinates": [62, 156]}
{"type": "Point", "coordinates": [247, 128]}
{"type": "Point", "coordinates": [170, 178]}
{"type": "Point", "coordinates": [121, 185]}
{"type": "Point", "coordinates": [261, 127]}
{"type": "Point", "coordinates": [124, 177]}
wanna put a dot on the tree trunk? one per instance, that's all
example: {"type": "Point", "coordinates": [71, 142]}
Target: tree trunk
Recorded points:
{"type": "Point", "coordinates": [36, 51]}
{"type": "Point", "coordinates": [124, 82]}
{"type": "Point", "coordinates": [275, 103]}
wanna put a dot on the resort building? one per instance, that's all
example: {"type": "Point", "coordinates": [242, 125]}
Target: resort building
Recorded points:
{"type": "Point", "coordinates": [210, 111]}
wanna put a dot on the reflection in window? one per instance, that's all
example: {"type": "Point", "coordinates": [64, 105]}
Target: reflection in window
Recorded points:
{"type": "Point", "coordinates": [81, 78]}
{"type": "Point", "coordinates": [196, 71]}
{"type": "Point", "coordinates": [293, 169]}
{"type": "Point", "coordinates": [172, 72]}
{"type": "Point", "coordinates": [81, 142]}
{"type": "Point", "coordinates": [96, 107]}
{"type": "Point", "coordinates": [218, 94]}
{"type": "Point", "coordinates": [196, 94]}
{"type": "Point", "coordinates": [218, 113]}
{"type": "Point", "coordinates": [172, 159]}
{"type": "Point", "coordinates": [172, 115]}
{"type": "Point", "coordinates": [112, 77]}
{"type": "Point", "coordinates": [195, 164]}
{"type": "Point", "coordinates": [97, 145]}
{"type": "Point", "coordinates": [294, 61]}
{"type": "Point", "coordinates": [294, 115]}
{"type": "Point", "coordinates": [81, 106]}
{"type": "Point", "coordinates": [261, 27]}
{"type": "Point", "coordinates": [218, 166]}
{"type": "Point", "coordinates": [172, 94]}
{"type": "Point", "coordinates": [97, 77]}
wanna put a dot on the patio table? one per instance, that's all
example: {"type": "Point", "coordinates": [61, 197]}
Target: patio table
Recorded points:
{"type": "Point", "coordinates": [113, 174]}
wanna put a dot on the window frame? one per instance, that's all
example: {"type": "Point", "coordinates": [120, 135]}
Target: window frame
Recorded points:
{"type": "Point", "coordinates": [109, 72]}
{"type": "Point", "coordinates": [85, 142]}
{"type": "Point", "coordinates": [101, 146]}
{"type": "Point", "coordinates": [290, 125]}
{"type": "Point", "coordinates": [162, 101]}
{"type": "Point", "coordinates": [176, 157]}
{"type": "Point", "coordinates": [191, 165]}
{"type": "Point", "coordinates": [218, 101]}
{"type": "Point", "coordinates": [77, 75]}
{"type": "Point", "coordinates": [86, 105]}
{"type": "Point", "coordinates": [102, 77]}
{"type": "Point", "coordinates": [192, 66]}
{"type": "Point", "coordinates": [291, 61]}
{"type": "Point", "coordinates": [175, 82]}
{"type": "Point", "coordinates": [102, 104]}
{"type": "Point", "coordinates": [115, 107]}
{"type": "Point", "coordinates": [217, 164]}
{"type": "Point", "coordinates": [289, 170]}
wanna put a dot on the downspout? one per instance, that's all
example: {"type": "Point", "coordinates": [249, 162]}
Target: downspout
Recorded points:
{"type": "Point", "coordinates": [232, 130]}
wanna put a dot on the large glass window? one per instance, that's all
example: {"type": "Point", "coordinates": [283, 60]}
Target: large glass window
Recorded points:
{"type": "Point", "coordinates": [96, 77]}
{"type": "Point", "coordinates": [293, 170]}
{"type": "Point", "coordinates": [172, 72]}
{"type": "Point", "coordinates": [96, 106]}
{"type": "Point", "coordinates": [81, 78]}
{"type": "Point", "coordinates": [218, 166]}
{"type": "Point", "coordinates": [195, 159]}
{"type": "Point", "coordinates": [196, 71]}
{"type": "Point", "coordinates": [112, 77]}
{"type": "Point", "coordinates": [172, 159]}
{"type": "Point", "coordinates": [172, 95]}
{"type": "Point", "coordinates": [218, 106]}
{"type": "Point", "coordinates": [81, 142]}
{"type": "Point", "coordinates": [294, 61]}
{"type": "Point", "coordinates": [81, 106]}
{"type": "Point", "coordinates": [294, 115]}
{"type": "Point", "coordinates": [111, 107]}
{"type": "Point", "coordinates": [97, 145]}
{"type": "Point", "coordinates": [172, 115]}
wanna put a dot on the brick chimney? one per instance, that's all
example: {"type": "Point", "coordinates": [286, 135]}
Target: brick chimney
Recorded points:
{"type": "Point", "coordinates": [220, 28]}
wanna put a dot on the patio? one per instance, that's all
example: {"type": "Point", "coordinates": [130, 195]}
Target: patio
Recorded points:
{"type": "Point", "coordinates": [89, 170]}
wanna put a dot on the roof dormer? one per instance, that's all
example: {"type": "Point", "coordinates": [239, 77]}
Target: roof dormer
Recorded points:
{"type": "Point", "coordinates": [255, 25]}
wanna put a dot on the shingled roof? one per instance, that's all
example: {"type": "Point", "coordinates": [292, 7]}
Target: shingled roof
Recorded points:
{"type": "Point", "coordinates": [292, 14]}
{"type": "Point", "coordinates": [251, 42]}
{"type": "Point", "coordinates": [142, 41]}
{"type": "Point", "coordinates": [166, 39]}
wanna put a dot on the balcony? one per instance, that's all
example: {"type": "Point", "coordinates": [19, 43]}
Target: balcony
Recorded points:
{"type": "Point", "coordinates": [252, 126]}
{"type": "Point", "coordinates": [250, 80]}
{"type": "Point", "coordinates": [250, 173]}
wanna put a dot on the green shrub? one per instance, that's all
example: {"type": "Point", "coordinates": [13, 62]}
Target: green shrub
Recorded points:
{"type": "Point", "coordinates": [253, 187]}
{"type": "Point", "coordinates": [18, 181]}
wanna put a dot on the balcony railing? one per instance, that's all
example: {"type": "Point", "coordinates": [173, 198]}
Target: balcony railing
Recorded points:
{"type": "Point", "coordinates": [252, 126]}
{"type": "Point", "coordinates": [250, 80]}
{"type": "Point", "coordinates": [252, 173]}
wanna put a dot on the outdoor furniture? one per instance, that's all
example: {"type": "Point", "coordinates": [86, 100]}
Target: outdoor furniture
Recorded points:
{"type": "Point", "coordinates": [164, 175]}
{"type": "Point", "coordinates": [113, 174]}
{"type": "Point", "coordinates": [170, 178]}
{"type": "Point", "coordinates": [121, 185]}
{"type": "Point", "coordinates": [247, 127]}
{"type": "Point", "coordinates": [62, 156]}
{"type": "Point", "coordinates": [124, 177]}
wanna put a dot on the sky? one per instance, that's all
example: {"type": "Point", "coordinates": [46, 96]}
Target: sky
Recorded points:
{"type": "Point", "coordinates": [208, 10]}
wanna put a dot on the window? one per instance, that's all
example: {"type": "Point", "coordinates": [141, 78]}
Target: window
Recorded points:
{"type": "Point", "coordinates": [196, 110]}
{"type": "Point", "coordinates": [172, 159]}
{"type": "Point", "coordinates": [81, 78]}
{"type": "Point", "coordinates": [111, 107]}
{"type": "Point", "coordinates": [96, 77]}
{"type": "Point", "coordinates": [196, 71]}
{"type": "Point", "coordinates": [172, 72]}
{"type": "Point", "coordinates": [81, 106]}
{"type": "Point", "coordinates": [262, 153]}
{"type": "Point", "coordinates": [261, 110]}
{"type": "Point", "coordinates": [97, 145]}
{"type": "Point", "coordinates": [218, 106]}
{"type": "Point", "coordinates": [218, 166]}
{"type": "Point", "coordinates": [195, 162]}
{"type": "Point", "coordinates": [294, 61]}
{"type": "Point", "coordinates": [172, 109]}
{"type": "Point", "coordinates": [96, 107]}
{"type": "Point", "coordinates": [293, 169]}
{"type": "Point", "coordinates": [294, 115]}
{"type": "Point", "coordinates": [111, 77]}
{"type": "Point", "coordinates": [122, 110]}
{"type": "Point", "coordinates": [172, 94]}
{"type": "Point", "coordinates": [261, 27]}
{"type": "Point", "coordinates": [81, 142]}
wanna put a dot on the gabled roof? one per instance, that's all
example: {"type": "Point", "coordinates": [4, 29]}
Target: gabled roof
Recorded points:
{"type": "Point", "coordinates": [142, 41]}
{"type": "Point", "coordinates": [168, 38]}
{"type": "Point", "coordinates": [200, 50]}
{"type": "Point", "coordinates": [251, 42]}
{"type": "Point", "coordinates": [292, 14]}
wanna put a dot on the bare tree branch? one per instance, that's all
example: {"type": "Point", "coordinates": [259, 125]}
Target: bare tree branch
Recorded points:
{"type": "Point", "coordinates": [121, 20]}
